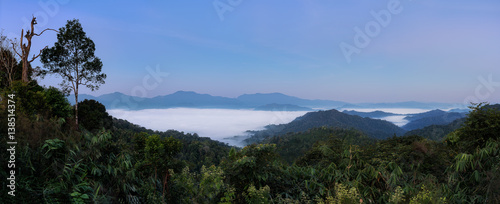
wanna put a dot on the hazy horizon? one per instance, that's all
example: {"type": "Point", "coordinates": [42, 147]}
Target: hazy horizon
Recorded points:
{"type": "Point", "coordinates": [358, 102]}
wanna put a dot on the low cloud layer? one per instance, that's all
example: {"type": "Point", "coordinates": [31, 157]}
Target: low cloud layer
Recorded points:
{"type": "Point", "coordinates": [396, 119]}
{"type": "Point", "coordinates": [220, 124]}
{"type": "Point", "coordinates": [214, 123]}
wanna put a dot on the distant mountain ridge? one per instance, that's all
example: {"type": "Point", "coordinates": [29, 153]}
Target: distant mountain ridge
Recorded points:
{"type": "Point", "coordinates": [279, 98]}
{"type": "Point", "coordinates": [190, 99]}
{"type": "Point", "coordinates": [373, 114]}
{"type": "Point", "coordinates": [434, 117]}
{"type": "Point", "coordinates": [282, 107]}
{"type": "Point", "coordinates": [405, 104]}
{"type": "Point", "coordinates": [375, 128]}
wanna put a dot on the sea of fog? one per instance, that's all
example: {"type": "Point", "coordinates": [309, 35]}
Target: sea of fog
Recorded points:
{"type": "Point", "coordinates": [223, 124]}
{"type": "Point", "coordinates": [218, 124]}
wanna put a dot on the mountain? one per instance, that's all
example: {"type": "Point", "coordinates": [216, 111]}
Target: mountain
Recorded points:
{"type": "Point", "coordinates": [114, 100]}
{"type": "Point", "coordinates": [191, 99]}
{"type": "Point", "coordinates": [434, 117]}
{"type": "Point", "coordinates": [279, 98]}
{"type": "Point", "coordinates": [406, 104]}
{"type": "Point", "coordinates": [432, 113]}
{"type": "Point", "coordinates": [194, 100]}
{"type": "Point", "coordinates": [375, 128]}
{"type": "Point", "coordinates": [81, 97]}
{"type": "Point", "coordinates": [494, 106]}
{"type": "Point", "coordinates": [459, 110]}
{"type": "Point", "coordinates": [282, 107]}
{"type": "Point", "coordinates": [373, 114]}
{"type": "Point", "coordinates": [293, 145]}
{"type": "Point", "coordinates": [437, 132]}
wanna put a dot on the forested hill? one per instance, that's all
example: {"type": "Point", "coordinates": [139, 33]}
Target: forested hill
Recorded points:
{"type": "Point", "coordinates": [291, 146]}
{"type": "Point", "coordinates": [435, 117]}
{"type": "Point", "coordinates": [375, 128]}
{"type": "Point", "coordinates": [113, 161]}
{"type": "Point", "coordinates": [437, 132]}
{"type": "Point", "coordinates": [195, 151]}
{"type": "Point", "coordinates": [373, 114]}
{"type": "Point", "coordinates": [440, 126]}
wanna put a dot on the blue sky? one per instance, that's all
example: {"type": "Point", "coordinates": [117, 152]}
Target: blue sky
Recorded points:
{"type": "Point", "coordinates": [426, 51]}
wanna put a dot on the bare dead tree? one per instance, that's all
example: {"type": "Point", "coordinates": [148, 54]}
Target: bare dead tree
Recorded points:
{"type": "Point", "coordinates": [25, 48]}
{"type": "Point", "coordinates": [8, 60]}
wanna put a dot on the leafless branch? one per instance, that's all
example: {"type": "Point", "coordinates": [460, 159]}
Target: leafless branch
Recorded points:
{"type": "Point", "coordinates": [44, 31]}
{"type": "Point", "coordinates": [34, 57]}
{"type": "Point", "coordinates": [15, 50]}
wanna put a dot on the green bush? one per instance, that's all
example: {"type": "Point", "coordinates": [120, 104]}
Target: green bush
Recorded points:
{"type": "Point", "coordinates": [92, 115]}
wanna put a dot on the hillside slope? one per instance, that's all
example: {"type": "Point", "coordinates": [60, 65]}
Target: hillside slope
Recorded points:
{"type": "Point", "coordinates": [435, 117]}
{"type": "Point", "coordinates": [437, 132]}
{"type": "Point", "coordinates": [375, 128]}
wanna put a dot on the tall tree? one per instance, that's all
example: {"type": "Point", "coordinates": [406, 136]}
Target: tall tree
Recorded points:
{"type": "Point", "coordinates": [25, 48]}
{"type": "Point", "coordinates": [72, 57]}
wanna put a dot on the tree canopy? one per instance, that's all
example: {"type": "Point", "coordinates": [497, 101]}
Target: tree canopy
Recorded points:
{"type": "Point", "coordinates": [73, 58]}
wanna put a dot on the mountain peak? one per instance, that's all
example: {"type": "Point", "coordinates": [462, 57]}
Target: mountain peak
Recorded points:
{"type": "Point", "coordinates": [116, 93]}
{"type": "Point", "coordinates": [265, 94]}
{"type": "Point", "coordinates": [184, 93]}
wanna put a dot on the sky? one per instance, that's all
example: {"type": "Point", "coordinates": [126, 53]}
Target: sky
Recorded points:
{"type": "Point", "coordinates": [353, 51]}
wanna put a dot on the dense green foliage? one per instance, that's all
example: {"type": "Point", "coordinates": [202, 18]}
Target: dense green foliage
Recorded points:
{"type": "Point", "coordinates": [293, 145]}
{"type": "Point", "coordinates": [125, 163]}
{"type": "Point", "coordinates": [93, 115]}
{"type": "Point", "coordinates": [56, 163]}
{"type": "Point", "coordinates": [322, 157]}
{"type": "Point", "coordinates": [73, 58]}
{"type": "Point", "coordinates": [437, 132]}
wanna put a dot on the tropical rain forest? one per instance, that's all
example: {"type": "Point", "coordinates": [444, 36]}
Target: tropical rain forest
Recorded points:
{"type": "Point", "coordinates": [80, 154]}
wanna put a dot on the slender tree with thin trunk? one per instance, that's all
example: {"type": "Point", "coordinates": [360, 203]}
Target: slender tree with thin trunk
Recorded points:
{"type": "Point", "coordinates": [72, 57]}
{"type": "Point", "coordinates": [25, 48]}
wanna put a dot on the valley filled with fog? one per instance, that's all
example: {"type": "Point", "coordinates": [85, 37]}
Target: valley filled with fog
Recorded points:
{"type": "Point", "coordinates": [217, 124]}
{"type": "Point", "coordinates": [224, 124]}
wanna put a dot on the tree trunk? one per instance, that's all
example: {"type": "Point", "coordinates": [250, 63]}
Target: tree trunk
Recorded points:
{"type": "Point", "coordinates": [76, 83]}
{"type": "Point", "coordinates": [25, 68]}
{"type": "Point", "coordinates": [76, 108]}
{"type": "Point", "coordinates": [25, 49]}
